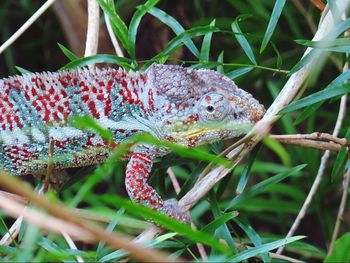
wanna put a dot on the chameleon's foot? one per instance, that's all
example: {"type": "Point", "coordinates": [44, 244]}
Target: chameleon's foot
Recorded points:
{"type": "Point", "coordinates": [172, 209]}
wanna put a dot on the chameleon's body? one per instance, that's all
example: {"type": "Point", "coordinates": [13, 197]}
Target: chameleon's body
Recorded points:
{"type": "Point", "coordinates": [185, 106]}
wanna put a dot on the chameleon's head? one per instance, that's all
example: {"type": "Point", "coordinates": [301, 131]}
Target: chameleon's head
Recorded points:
{"type": "Point", "coordinates": [193, 107]}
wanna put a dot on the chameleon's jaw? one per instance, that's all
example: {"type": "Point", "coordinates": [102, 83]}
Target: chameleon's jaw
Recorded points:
{"type": "Point", "coordinates": [209, 133]}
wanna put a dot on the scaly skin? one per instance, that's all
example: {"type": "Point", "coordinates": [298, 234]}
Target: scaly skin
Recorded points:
{"type": "Point", "coordinates": [181, 105]}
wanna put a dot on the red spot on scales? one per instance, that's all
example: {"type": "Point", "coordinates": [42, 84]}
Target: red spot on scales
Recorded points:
{"type": "Point", "coordinates": [168, 109]}
{"type": "Point", "coordinates": [51, 90]}
{"type": "Point", "coordinates": [92, 107]}
{"type": "Point", "coordinates": [208, 98]}
{"type": "Point", "coordinates": [151, 99]}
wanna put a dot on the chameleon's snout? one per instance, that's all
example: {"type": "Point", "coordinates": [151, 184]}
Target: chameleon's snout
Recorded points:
{"type": "Point", "coordinates": [246, 109]}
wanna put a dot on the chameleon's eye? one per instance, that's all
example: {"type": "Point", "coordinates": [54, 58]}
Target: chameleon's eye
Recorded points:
{"type": "Point", "coordinates": [213, 107]}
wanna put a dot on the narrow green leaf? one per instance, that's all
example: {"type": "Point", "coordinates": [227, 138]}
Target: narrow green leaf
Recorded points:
{"type": "Point", "coordinates": [82, 62]}
{"type": "Point", "coordinates": [307, 112]}
{"type": "Point", "coordinates": [205, 50]}
{"type": "Point", "coordinates": [259, 187]}
{"type": "Point", "coordinates": [111, 226]}
{"type": "Point", "coordinates": [166, 222]}
{"type": "Point", "coordinates": [175, 26]}
{"type": "Point", "coordinates": [218, 222]}
{"type": "Point", "coordinates": [23, 70]}
{"type": "Point", "coordinates": [315, 53]}
{"type": "Point", "coordinates": [276, 12]}
{"type": "Point", "coordinates": [317, 97]}
{"type": "Point", "coordinates": [179, 40]}
{"type": "Point", "coordinates": [279, 57]}
{"type": "Point", "coordinates": [222, 232]}
{"type": "Point", "coordinates": [252, 252]}
{"type": "Point", "coordinates": [277, 147]}
{"type": "Point", "coordinates": [312, 108]}
{"type": "Point", "coordinates": [134, 24]}
{"type": "Point", "coordinates": [253, 237]}
{"type": "Point", "coordinates": [238, 72]}
{"type": "Point", "coordinates": [86, 122]}
{"type": "Point", "coordinates": [341, 158]}
{"type": "Point", "coordinates": [243, 180]}
{"type": "Point", "coordinates": [345, 41]}
{"type": "Point", "coordinates": [220, 68]}
{"type": "Point", "coordinates": [69, 54]}
{"type": "Point", "coordinates": [243, 41]}
{"type": "Point", "coordinates": [119, 27]}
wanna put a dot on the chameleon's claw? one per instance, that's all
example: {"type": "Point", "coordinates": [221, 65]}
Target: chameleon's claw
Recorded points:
{"type": "Point", "coordinates": [172, 209]}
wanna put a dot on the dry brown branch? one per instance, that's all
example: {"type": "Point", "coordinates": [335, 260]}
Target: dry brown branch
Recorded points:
{"type": "Point", "coordinates": [59, 212]}
{"type": "Point", "coordinates": [321, 141]}
{"type": "Point", "coordinates": [290, 90]}
{"type": "Point", "coordinates": [26, 25]}
{"type": "Point", "coordinates": [325, 146]}
{"type": "Point", "coordinates": [91, 44]}
{"type": "Point", "coordinates": [313, 136]}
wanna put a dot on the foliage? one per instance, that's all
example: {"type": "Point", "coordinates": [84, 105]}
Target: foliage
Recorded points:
{"type": "Point", "coordinates": [248, 213]}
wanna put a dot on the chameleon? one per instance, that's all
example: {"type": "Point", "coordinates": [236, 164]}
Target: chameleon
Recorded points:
{"type": "Point", "coordinates": [189, 107]}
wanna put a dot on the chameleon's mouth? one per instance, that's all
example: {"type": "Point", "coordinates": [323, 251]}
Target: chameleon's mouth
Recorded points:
{"type": "Point", "coordinates": [209, 133]}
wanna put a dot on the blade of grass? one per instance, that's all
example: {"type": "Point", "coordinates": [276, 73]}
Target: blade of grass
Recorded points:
{"type": "Point", "coordinates": [317, 97]}
{"type": "Point", "coordinates": [279, 149]}
{"type": "Point", "coordinates": [336, 31]}
{"type": "Point", "coordinates": [166, 222]}
{"type": "Point", "coordinates": [134, 24]}
{"type": "Point", "coordinates": [69, 54]}
{"type": "Point", "coordinates": [252, 252]}
{"type": "Point", "coordinates": [253, 237]}
{"type": "Point", "coordinates": [179, 40]}
{"type": "Point", "coordinates": [205, 50]}
{"type": "Point", "coordinates": [223, 231]}
{"type": "Point", "coordinates": [246, 171]}
{"type": "Point", "coordinates": [238, 72]}
{"type": "Point", "coordinates": [175, 26]}
{"type": "Point", "coordinates": [340, 159]}
{"type": "Point", "coordinates": [82, 62]}
{"type": "Point", "coordinates": [218, 222]}
{"type": "Point", "coordinates": [119, 27]}
{"type": "Point", "coordinates": [259, 187]}
{"type": "Point", "coordinates": [276, 13]}
{"type": "Point", "coordinates": [242, 40]}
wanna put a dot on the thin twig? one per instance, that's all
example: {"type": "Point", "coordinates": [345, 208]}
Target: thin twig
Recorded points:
{"type": "Point", "coordinates": [313, 136]}
{"type": "Point", "coordinates": [26, 25]}
{"type": "Point", "coordinates": [173, 179]}
{"type": "Point", "coordinates": [111, 34]}
{"type": "Point", "coordinates": [92, 35]}
{"type": "Point", "coordinates": [325, 146]}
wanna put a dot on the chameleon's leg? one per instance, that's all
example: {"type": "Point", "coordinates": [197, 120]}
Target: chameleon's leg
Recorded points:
{"type": "Point", "coordinates": [137, 173]}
